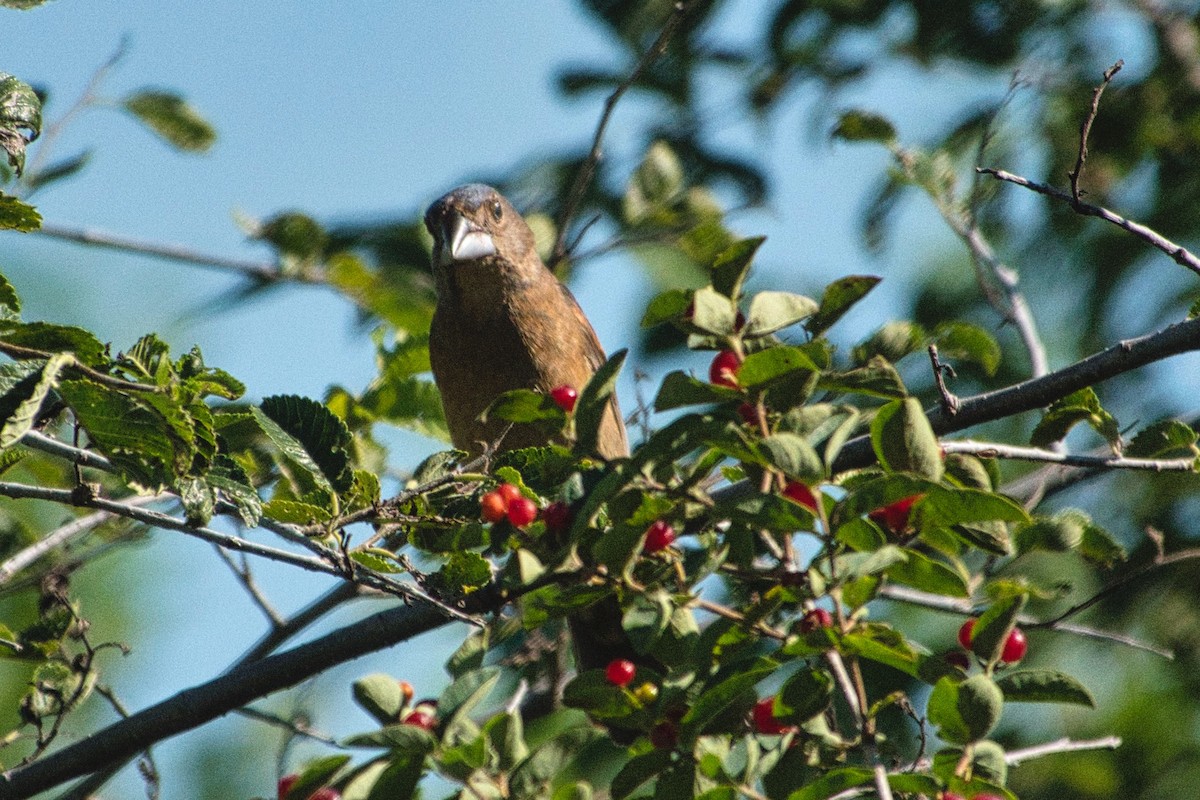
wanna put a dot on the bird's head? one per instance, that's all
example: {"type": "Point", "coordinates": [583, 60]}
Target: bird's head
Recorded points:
{"type": "Point", "coordinates": [474, 225]}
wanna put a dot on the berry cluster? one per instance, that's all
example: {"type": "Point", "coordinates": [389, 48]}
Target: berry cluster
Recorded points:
{"type": "Point", "coordinates": [507, 502]}
{"type": "Point", "coordinates": [1014, 646]}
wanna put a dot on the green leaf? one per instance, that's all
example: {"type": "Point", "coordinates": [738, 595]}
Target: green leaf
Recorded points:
{"type": "Point", "coordinates": [1057, 534]}
{"type": "Point", "coordinates": [713, 312]}
{"type": "Point", "coordinates": [837, 299]}
{"type": "Point", "coordinates": [654, 184]}
{"type": "Point", "coordinates": [731, 267]}
{"type": "Point", "coordinates": [316, 773]}
{"type": "Point", "coordinates": [773, 311]}
{"type": "Point", "coordinates": [1064, 414]}
{"type": "Point", "coordinates": [18, 215]}
{"type": "Point", "coordinates": [295, 512]}
{"type": "Point", "coordinates": [407, 739]}
{"type": "Point", "coordinates": [807, 693]}
{"type": "Point", "coordinates": [58, 170]}
{"type": "Point", "coordinates": [469, 655]}
{"type": "Point", "coordinates": [794, 456]}
{"type": "Point", "coordinates": [646, 618]}
{"type": "Point", "coordinates": [467, 691]}
{"type": "Point", "coordinates": [26, 398]}
{"type": "Point", "coordinates": [50, 338]}
{"type": "Point", "coordinates": [311, 436]}
{"type": "Point", "coordinates": [884, 645]}
{"type": "Point", "coordinates": [1099, 546]}
{"type": "Point", "coordinates": [864, 126]}
{"type": "Point", "coordinates": [892, 342]}
{"type": "Point", "coordinates": [525, 406]}
{"type": "Point", "coordinates": [680, 389]}
{"type": "Point", "coordinates": [231, 480]}
{"type": "Point", "coordinates": [380, 696]}
{"type": "Point", "coordinates": [465, 571]}
{"type": "Point", "coordinates": [670, 306]}
{"type": "Point", "coordinates": [172, 118]}
{"type": "Point", "coordinates": [774, 364]}
{"type": "Point", "coordinates": [967, 342]}
{"type": "Point", "coordinates": [834, 782]}
{"type": "Point", "coordinates": [296, 236]}
{"type": "Point", "coordinates": [10, 303]}
{"type": "Point", "coordinates": [377, 559]}
{"type": "Point", "coordinates": [965, 711]}
{"type": "Point", "coordinates": [638, 770]}
{"type": "Point", "coordinates": [904, 440]}
{"type": "Point", "coordinates": [506, 734]}
{"type": "Point", "coordinates": [596, 400]}
{"type": "Point", "coordinates": [994, 625]}
{"type": "Point", "coordinates": [1044, 686]}
{"type": "Point", "coordinates": [20, 118]}
{"type": "Point", "coordinates": [714, 700]}
{"type": "Point", "coordinates": [22, 5]}
{"type": "Point", "coordinates": [877, 379]}
{"type": "Point", "coordinates": [929, 575]}
{"type": "Point", "coordinates": [1168, 438]}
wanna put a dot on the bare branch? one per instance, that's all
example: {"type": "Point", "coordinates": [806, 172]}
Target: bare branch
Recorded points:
{"type": "Point", "coordinates": [1064, 745]}
{"type": "Point", "coordinates": [1085, 128]}
{"type": "Point", "coordinates": [1178, 253]}
{"type": "Point", "coordinates": [76, 455]}
{"type": "Point", "coordinates": [1037, 393]}
{"type": "Point", "coordinates": [263, 271]}
{"type": "Point", "coordinates": [200, 704]}
{"type": "Point", "coordinates": [306, 616]}
{"type": "Point", "coordinates": [587, 170]}
{"type": "Point", "coordinates": [949, 401]}
{"type": "Point", "coordinates": [994, 450]}
{"type": "Point", "coordinates": [246, 579]}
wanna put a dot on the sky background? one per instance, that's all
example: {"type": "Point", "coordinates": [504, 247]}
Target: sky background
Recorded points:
{"type": "Point", "coordinates": [350, 110]}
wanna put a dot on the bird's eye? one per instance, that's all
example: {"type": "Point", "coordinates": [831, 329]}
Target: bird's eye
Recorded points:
{"type": "Point", "coordinates": [497, 210]}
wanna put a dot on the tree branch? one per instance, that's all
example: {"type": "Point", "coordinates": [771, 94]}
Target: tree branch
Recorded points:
{"type": "Point", "coordinates": [994, 450]}
{"type": "Point", "coordinates": [1178, 253]}
{"type": "Point", "coordinates": [1085, 129]}
{"type": "Point", "coordinates": [587, 170]}
{"type": "Point", "coordinates": [203, 703]}
{"type": "Point", "coordinates": [1035, 393]}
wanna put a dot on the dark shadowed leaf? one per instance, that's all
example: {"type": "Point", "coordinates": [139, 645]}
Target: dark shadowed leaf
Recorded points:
{"type": "Point", "coordinates": [837, 299]}
{"type": "Point", "coordinates": [1044, 686]}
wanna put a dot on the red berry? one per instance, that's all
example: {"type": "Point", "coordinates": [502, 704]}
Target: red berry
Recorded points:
{"type": "Point", "coordinates": [749, 414]}
{"type": "Point", "coordinates": [1014, 647]}
{"type": "Point", "coordinates": [799, 493]}
{"type": "Point", "coordinates": [815, 620]}
{"type": "Point", "coordinates": [664, 735]}
{"type": "Point", "coordinates": [764, 719]}
{"type": "Point", "coordinates": [285, 784]}
{"type": "Point", "coordinates": [509, 491]}
{"type": "Point", "coordinates": [659, 535]}
{"type": "Point", "coordinates": [987, 797]}
{"type": "Point", "coordinates": [620, 671]}
{"type": "Point", "coordinates": [493, 507]}
{"type": "Point", "coordinates": [325, 793]}
{"type": "Point", "coordinates": [894, 516]}
{"type": "Point", "coordinates": [421, 719]}
{"type": "Point", "coordinates": [406, 689]}
{"type": "Point", "coordinates": [522, 511]}
{"type": "Point", "coordinates": [723, 371]}
{"type": "Point", "coordinates": [557, 516]}
{"type": "Point", "coordinates": [964, 633]}
{"type": "Point", "coordinates": [950, 796]}
{"type": "Point", "coordinates": [564, 397]}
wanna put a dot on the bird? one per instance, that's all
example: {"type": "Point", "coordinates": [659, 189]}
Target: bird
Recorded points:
{"type": "Point", "coordinates": [503, 321]}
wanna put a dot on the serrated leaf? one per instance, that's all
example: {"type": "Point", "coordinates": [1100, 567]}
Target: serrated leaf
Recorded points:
{"type": "Point", "coordinates": [233, 483]}
{"type": "Point", "coordinates": [20, 118]}
{"type": "Point", "coordinates": [10, 303]}
{"type": "Point", "coordinates": [50, 338]}
{"type": "Point", "coordinates": [465, 571]}
{"type": "Point", "coordinates": [773, 311]}
{"type": "Point", "coordinates": [172, 118]}
{"type": "Point", "coordinates": [904, 440]}
{"type": "Point", "coordinates": [864, 126]}
{"type": "Point", "coordinates": [25, 400]}
{"type": "Point", "coordinates": [1168, 438]}
{"type": "Point", "coordinates": [1099, 546]}
{"type": "Point", "coordinates": [377, 559]}
{"type": "Point", "coordinates": [380, 696]}
{"type": "Point", "coordinates": [596, 399]}
{"type": "Point", "coordinates": [1044, 686]}
{"type": "Point", "coordinates": [1064, 414]}
{"type": "Point", "coordinates": [18, 215]}
{"type": "Point", "coordinates": [731, 267]}
{"type": "Point", "coordinates": [295, 512]}
{"type": "Point", "coordinates": [310, 435]}
{"type": "Point", "coordinates": [837, 299]}
{"type": "Point", "coordinates": [967, 342]}
{"type": "Point", "coordinates": [929, 575]}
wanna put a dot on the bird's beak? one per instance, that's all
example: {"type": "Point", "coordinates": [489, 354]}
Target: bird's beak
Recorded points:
{"type": "Point", "coordinates": [463, 240]}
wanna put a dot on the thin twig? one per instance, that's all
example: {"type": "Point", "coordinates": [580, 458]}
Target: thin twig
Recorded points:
{"type": "Point", "coordinates": [1178, 253]}
{"type": "Point", "coordinates": [246, 578]}
{"type": "Point", "coordinates": [587, 170]}
{"type": "Point", "coordinates": [1085, 128]}
{"type": "Point", "coordinates": [20, 352]}
{"type": "Point", "coordinates": [994, 450]}
{"type": "Point", "coordinates": [297, 622]}
{"type": "Point", "coordinates": [949, 401]}
{"type": "Point", "coordinates": [1064, 745]}
{"type": "Point", "coordinates": [292, 726]}
{"type": "Point", "coordinates": [263, 271]}
{"type": "Point", "coordinates": [61, 535]}
{"type": "Point", "coordinates": [76, 455]}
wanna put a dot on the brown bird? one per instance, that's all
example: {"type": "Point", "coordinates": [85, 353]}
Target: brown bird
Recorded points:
{"type": "Point", "coordinates": [503, 321]}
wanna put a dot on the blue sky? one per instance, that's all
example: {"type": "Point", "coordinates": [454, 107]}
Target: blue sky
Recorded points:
{"type": "Point", "coordinates": [344, 110]}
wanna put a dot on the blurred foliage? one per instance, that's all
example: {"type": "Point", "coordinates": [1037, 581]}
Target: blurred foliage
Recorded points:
{"type": "Point", "coordinates": [668, 213]}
